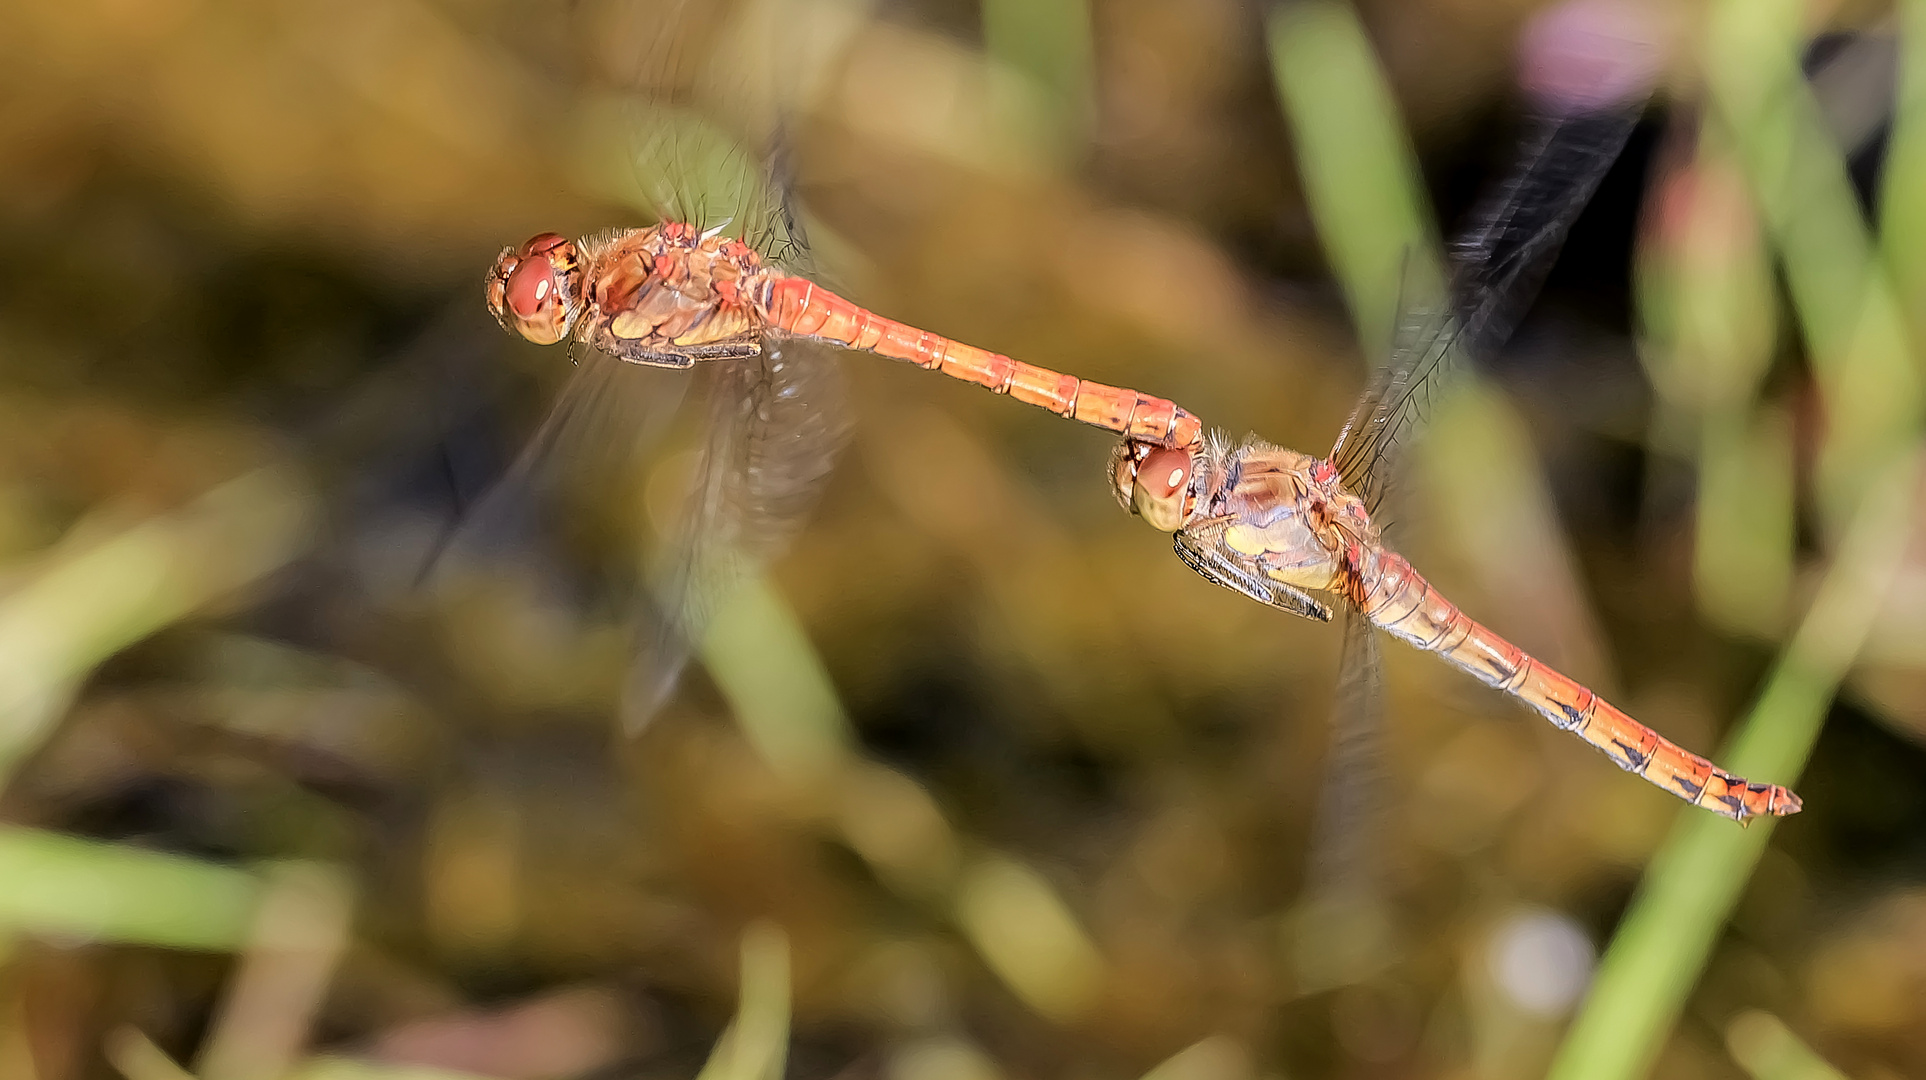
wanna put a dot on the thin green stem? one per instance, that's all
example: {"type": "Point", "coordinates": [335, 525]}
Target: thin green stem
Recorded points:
{"type": "Point", "coordinates": [1697, 876]}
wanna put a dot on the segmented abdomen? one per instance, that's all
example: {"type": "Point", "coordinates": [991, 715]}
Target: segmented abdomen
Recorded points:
{"type": "Point", "coordinates": [797, 306]}
{"type": "Point", "coordinates": [1397, 598]}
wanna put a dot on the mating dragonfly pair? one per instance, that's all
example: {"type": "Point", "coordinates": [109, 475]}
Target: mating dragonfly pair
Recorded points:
{"type": "Point", "coordinates": [1290, 530]}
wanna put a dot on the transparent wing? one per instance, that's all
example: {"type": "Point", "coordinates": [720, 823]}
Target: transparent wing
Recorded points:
{"type": "Point", "coordinates": [774, 430]}
{"type": "Point", "coordinates": [677, 154]}
{"type": "Point", "coordinates": [692, 127]}
{"type": "Point", "coordinates": [707, 99]}
{"type": "Point", "coordinates": [1343, 928]}
{"type": "Point", "coordinates": [1342, 854]}
{"type": "Point", "coordinates": [604, 421]}
{"type": "Point", "coordinates": [1497, 266]}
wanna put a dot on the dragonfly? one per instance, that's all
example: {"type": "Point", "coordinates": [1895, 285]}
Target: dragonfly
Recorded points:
{"type": "Point", "coordinates": [673, 295]}
{"type": "Point", "coordinates": [721, 289]}
{"type": "Point", "coordinates": [681, 296]}
{"type": "Point", "coordinates": [1302, 534]}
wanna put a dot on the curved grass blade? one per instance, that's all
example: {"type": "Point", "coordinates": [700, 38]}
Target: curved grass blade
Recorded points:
{"type": "Point", "coordinates": [1694, 881]}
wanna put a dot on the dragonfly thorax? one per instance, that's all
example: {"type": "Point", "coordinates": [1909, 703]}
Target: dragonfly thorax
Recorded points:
{"type": "Point", "coordinates": [668, 295]}
{"type": "Point", "coordinates": [1288, 513]}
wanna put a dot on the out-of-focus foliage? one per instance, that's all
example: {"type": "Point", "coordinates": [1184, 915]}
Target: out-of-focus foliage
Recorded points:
{"type": "Point", "coordinates": [981, 782]}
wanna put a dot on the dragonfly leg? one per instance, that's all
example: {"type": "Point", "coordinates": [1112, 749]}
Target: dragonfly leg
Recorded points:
{"type": "Point", "coordinates": [736, 350]}
{"type": "Point", "coordinates": [659, 359]}
{"type": "Point", "coordinates": [686, 357]}
{"type": "Point", "coordinates": [1210, 562]}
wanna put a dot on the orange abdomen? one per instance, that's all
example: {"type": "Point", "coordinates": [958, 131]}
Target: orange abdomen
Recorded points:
{"type": "Point", "coordinates": [1397, 598]}
{"type": "Point", "coordinates": [796, 306]}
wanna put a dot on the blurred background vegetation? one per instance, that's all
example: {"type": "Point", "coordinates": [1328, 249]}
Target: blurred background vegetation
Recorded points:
{"type": "Point", "coordinates": [981, 782]}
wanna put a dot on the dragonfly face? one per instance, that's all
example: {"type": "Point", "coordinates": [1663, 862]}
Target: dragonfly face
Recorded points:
{"type": "Point", "coordinates": [536, 290]}
{"type": "Point", "coordinates": [1157, 483]}
{"type": "Point", "coordinates": [1261, 520]}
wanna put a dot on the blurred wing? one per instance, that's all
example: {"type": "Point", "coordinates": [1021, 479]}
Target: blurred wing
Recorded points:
{"type": "Point", "coordinates": [708, 102]}
{"type": "Point", "coordinates": [1497, 266]}
{"type": "Point", "coordinates": [1344, 933]}
{"type": "Point", "coordinates": [775, 428]}
{"type": "Point", "coordinates": [1342, 857]}
{"type": "Point", "coordinates": [683, 160]}
{"type": "Point", "coordinates": [603, 422]}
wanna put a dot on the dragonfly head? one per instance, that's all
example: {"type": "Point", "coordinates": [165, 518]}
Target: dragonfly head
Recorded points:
{"type": "Point", "coordinates": [536, 290]}
{"type": "Point", "coordinates": [1157, 483]}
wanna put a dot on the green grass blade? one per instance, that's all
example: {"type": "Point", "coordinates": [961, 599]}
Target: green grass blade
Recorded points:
{"type": "Point", "coordinates": [1360, 175]}
{"type": "Point", "coordinates": [1868, 378]}
{"type": "Point", "coordinates": [1697, 876]}
{"type": "Point", "coordinates": [85, 603]}
{"type": "Point", "coordinates": [64, 887]}
{"type": "Point", "coordinates": [772, 677]}
{"type": "Point", "coordinates": [1855, 335]}
{"type": "Point", "coordinates": [1768, 1050]}
{"type": "Point", "coordinates": [1049, 43]}
{"type": "Point", "coordinates": [756, 1044]}
{"type": "Point", "coordinates": [1902, 199]}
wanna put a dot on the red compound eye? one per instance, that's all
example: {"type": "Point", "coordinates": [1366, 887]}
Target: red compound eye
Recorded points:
{"type": "Point", "coordinates": [543, 243]}
{"type": "Point", "coordinates": [530, 285]}
{"type": "Point", "coordinates": [1163, 473]}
